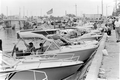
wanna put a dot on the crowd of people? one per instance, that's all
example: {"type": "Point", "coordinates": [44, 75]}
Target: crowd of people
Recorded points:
{"type": "Point", "coordinates": [113, 23]}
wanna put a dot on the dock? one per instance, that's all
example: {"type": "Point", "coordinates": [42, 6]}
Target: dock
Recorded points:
{"type": "Point", "coordinates": [109, 63]}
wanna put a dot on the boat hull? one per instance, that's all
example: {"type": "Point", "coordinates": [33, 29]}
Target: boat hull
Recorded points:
{"type": "Point", "coordinates": [83, 53]}
{"type": "Point", "coordinates": [54, 73]}
{"type": "Point", "coordinates": [59, 73]}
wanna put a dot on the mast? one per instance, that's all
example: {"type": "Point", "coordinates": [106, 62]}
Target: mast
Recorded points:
{"type": "Point", "coordinates": [7, 10]}
{"type": "Point", "coordinates": [102, 6]}
{"type": "Point", "coordinates": [116, 6]}
{"type": "Point", "coordinates": [76, 9]}
{"type": "Point", "coordinates": [65, 12]}
{"type": "Point", "coordinates": [97, 9]}
{"type": "Point", "coordinates": [19, 12]}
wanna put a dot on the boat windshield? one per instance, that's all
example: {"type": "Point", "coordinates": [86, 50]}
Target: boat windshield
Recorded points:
{"type": "Point", "coordinates": [60, 40]}
{"type": "Point", "coordinates": [28, 75]}
{"type": "Point", "coordinates": [21, 48]}
{"type": "Point", "coordinates": [52, 46]}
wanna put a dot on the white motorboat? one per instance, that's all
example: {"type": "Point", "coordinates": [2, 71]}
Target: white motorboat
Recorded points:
{"type": "Point", "coordinates": [41, 31]}
{"type": "Point", "coordinates": [83, 33]}
{"type": "Point", "coordinates": [84, 50]}
{"type": "Point", "coordinates": [42, 70]}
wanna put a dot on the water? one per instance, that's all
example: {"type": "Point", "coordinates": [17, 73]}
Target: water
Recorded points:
{"type": "Point", "coordinates": [9, 37]}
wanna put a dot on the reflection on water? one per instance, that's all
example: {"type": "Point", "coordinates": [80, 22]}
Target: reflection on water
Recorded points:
{"type": "Point", "coordinates": [9, 37]}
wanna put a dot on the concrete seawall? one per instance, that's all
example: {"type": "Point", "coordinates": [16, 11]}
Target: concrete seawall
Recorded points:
{"type": "Point", "coordinates": [96, 62]}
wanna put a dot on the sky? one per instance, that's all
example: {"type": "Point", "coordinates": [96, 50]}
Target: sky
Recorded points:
{"type": "Point", "coordinates": [40, 7]}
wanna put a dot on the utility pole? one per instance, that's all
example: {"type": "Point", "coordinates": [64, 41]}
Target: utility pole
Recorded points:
{"type": "Point", "coordinates": [106, 10]}
{"type": "Point", "coordinates": [102, 6]}
{"type": "Point", "coordinates": [41, 12]}
{"type": "Point", "coordinates": [65, 12]}
{"type": "Point", "coordinates": [7, 10]}
{"type": "Point", "coordinates": [23, 11]}
{"type": "Point", "coordinates": [19, 12]}
{"type": "Point", "coordinates": [97, 9]}
{"type": "Point", "coordinates": [116, 6]}
{"type": "Point", "coordinates": [76, 9]}
{"type": "Point", "coordinates": [27, 13]}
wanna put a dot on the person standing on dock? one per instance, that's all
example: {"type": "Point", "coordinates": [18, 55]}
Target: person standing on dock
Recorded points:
{"type": "Point", "coordinates": [117, 29]}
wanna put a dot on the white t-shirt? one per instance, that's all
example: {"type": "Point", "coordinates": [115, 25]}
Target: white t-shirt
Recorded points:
{"type": "Point", "coordinates": [117, 23]}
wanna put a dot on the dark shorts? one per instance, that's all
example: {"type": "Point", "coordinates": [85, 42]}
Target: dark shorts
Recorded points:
{"type": "Point", "coordinates": [117, 29]}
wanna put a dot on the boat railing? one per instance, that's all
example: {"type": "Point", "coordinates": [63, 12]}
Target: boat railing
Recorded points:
{"type": "Point", "coordinates": [69, 59]}
{"type": "Point", "coordinates": [40, 62]}
{"type": "Point", "coordinates": [47, 57]}
{"type": "Point", "coordinates": [72, 59]}
{"type": "Point", "coordinates": [75, 58]}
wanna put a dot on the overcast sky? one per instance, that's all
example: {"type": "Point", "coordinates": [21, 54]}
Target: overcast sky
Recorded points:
{"type": "Point", "coordinates": [40, 7]}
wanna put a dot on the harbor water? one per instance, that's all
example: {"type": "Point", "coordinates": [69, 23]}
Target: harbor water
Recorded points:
{"type": "Point", "coordinates": [9, 38]}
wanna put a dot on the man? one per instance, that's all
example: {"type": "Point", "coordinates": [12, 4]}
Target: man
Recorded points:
{"type": "Point", "coordinates": [95, 25]}
{"type": "Point", "coordinates": [117, 29]}
{"type": "Point", "coordinates": [40, 50]}
{"type": "Point", "coordinates": [30, 47]}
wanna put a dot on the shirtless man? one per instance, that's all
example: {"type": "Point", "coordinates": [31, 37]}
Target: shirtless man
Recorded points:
{"type": "Point", "coordinates": [40, 50]}
{"type": "Point", "coordinates": [30, 47]}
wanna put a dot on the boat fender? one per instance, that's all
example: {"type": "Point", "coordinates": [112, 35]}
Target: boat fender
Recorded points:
{"type": "Point", "coordinates": [105, 52]}
{"type": "Point", "coordinates": [102, 74]}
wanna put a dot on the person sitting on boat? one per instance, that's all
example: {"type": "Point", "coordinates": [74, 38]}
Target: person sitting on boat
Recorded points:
{"type": "Point", "coordinates": [95, 25]}
{"type": "Point", "coordinates": [30, 47]}
{"type": "Point", "coordinates": [40, 50]}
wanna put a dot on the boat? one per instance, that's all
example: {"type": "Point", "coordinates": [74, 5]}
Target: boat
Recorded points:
{"type": "Point", "coordinates": [83, 49]}
{"type": "Point", "coordinates": [82, 33]}
{"type": "Point", "coordinates": [74, 32]}
{"type": "Point", "coordinates": [41, 69]}
{"type": "Point", "coordinates": [41, 31]}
